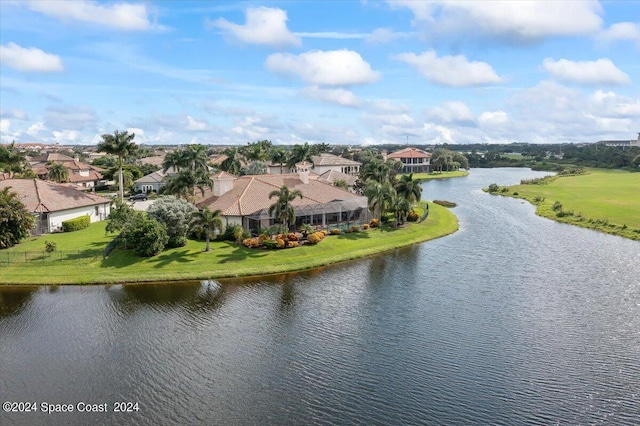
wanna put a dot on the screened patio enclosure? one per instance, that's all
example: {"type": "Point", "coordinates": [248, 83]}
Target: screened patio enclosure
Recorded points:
{"type": "Point", "coordinates": [321, 215]}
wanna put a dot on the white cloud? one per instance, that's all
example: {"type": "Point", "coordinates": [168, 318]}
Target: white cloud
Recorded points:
{"type": "Point", "coordinates": [120, 16]}
{"type": "Point", "coordinates": [333, 35]}
{"type": "Point", "coordinates": [493, 118]}
{"type": "Point", "coordinates": [337, 96]}
{"type": "Point", "coordinates": [609, 104]}
{"type": "Point", "coordinates": [324, 68]}
{"type": "Point", "coordinates": [70, 117]}
{"type": "Point", "coordinates": [36, 128]}
{"type": "Point", "coordinates": [622, 31]}
{"type": "Point", "coordinates": [16, 114]}
{"type": "Point", "coordinates": [194, 125]}
{"type": "Point", "coordinates": [386, 35]}
{"type": "Point", "coordinates": [264, 26]}
{"type": "Point", "coordinates": [29, 59]}
{"type": "Point", "coordinates": [452, 112]}
{"type": "Point", "coordinates": [455, 71]}
{"type": "Point", "coordinates": [601, 71]}
{"type": "Point", "coordinates": [5, 125]}
{"type": "Point", "coordinates": [511, 20]}
{"type": "Point", "coordinates": [65, 136]}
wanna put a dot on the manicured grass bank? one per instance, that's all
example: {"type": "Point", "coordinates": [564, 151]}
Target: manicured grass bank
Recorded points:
{"type": "Point", "coordinates": [604, 200]}
{"type": "Point", "coordinates": [225, 260]}
{"type": "Point", "coordinates": [438, 175]}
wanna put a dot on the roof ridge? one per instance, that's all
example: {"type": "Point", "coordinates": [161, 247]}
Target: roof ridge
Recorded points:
{"type": "Point", "coordinates": [244, 191]}
{"type": "Point", "coordinates": [35, 184]}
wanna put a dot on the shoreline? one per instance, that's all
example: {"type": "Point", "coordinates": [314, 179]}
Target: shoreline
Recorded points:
{"type": "Point", "coordinates": [174, 265]}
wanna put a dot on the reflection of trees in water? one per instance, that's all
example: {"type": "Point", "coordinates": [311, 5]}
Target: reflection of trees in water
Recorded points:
{"type": "Point", "coordinates": [192, 297]}
{"type": "Point", "coordinates": [13, 299]}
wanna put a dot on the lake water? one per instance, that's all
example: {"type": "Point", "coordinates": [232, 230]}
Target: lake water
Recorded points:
{"type": "Point", "coordinates": [514, 319]}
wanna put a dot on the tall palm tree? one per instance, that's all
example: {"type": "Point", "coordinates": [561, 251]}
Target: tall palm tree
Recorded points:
{"type": "Point", "coordinates": [300, 153]}
{"type": "Point", "coordinates": [121, 145]}
{"type": "Point", "coordinates": [193, 170]}
{"type": "Point", "coordinates": [376, 170]}
{"type": "Point", "coordinates": [11, 160]}
{"type": "Point", "coordinates": [279, 156]}
{"type": "Point", "coordinates": [233, 163]}
{"type": "Point", "coordinates": [206, 221]}
{"type": "Point", "coordinates": [58, 172]}
{"type": "Point", "coordinates": [379, 196]}
{"type": "Point", "coordinates": [282, 208]}
{"type": "Point", "coordinates": [409, 188]}
{"type": "Point", "coordinates": [184, 184]}
{"type": "Point", "coordinates": [400, 206]}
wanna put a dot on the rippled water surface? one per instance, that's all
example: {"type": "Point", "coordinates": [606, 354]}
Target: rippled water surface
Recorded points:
{"type": "Point", "coordinates": [514, 319]}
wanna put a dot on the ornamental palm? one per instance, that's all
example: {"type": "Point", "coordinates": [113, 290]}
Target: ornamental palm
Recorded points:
{"type": "Point", "coordinates": [191, 165]}
{"type": "Point", "coordinates": [282, 208]}
{"type": "Point", "coordinates": [233, 163]}
{"type": "Point", "coordinates": [279, 156]}
{"type": "Point", "coordinates": [409, 188]}
{"type": "Point", "coordinates": [184, 184]}
{"type": "Point", "coordinates": [379, 195]}
{"type": "Point", "coordinates": [58, 172]}
{"type": "Point", "coordinates": [122, 146]}
{"type": "Point", "coordinates": [12, 160]}
{"type": "Point", "coordinates": [300, 153]}
{"type": "Point", "coordinates": [206, 221]}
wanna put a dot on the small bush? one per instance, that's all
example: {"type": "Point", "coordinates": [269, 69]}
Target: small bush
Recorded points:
{"type": "Point", "coordinates": [515, 193]}
{"type": "Point", "coordinates": [324, 232]}
{"type": "Point", "coordinates": [374, 223]}
{"type": "Point", "coordinates": [355, 228]}
{"type": "Point", "coordinates": [365, 226]}
{"type": "Point", "coordinates": [315, 238]}
{"type": "Point", "coordinates": [270, 244]}
{"type": "Point", "coordinates": [335, 231]}
{"type": "Point", "coordinates": [292, 237]}
{"type": "Point", "coordinates": [557, 206]}
{"type": "Point", "coordinates": [504, 189]}
{"type": "Point", "coordinates": [250, 242]}
{"type": "Point", "coordinates": [76, 224]}
{"type": "Point", "coordinates": [493, 187]}
{"type": "Point", "coordinates": [538, 199]}
{"type": "Point", "coordinates": [280, 243]}
{"type": "Point", "coordinates": [292, 244]}
{"type": "Point", "coordinates": [50, 246]}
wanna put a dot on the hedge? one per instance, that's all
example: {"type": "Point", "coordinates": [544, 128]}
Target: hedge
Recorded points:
{"type": "Point", "coordinates": [76, 224]}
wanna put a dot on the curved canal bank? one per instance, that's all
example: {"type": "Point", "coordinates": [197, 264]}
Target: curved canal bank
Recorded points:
{"type": "Point", "coordinates": [514, 319]}
{"type": "Point", "coordinates": [227, 259]}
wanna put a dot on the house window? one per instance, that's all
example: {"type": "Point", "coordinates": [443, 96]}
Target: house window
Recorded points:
{"type": "Point", "coordinates": [97, 211]}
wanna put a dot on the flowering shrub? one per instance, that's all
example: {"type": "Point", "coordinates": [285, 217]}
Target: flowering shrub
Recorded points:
{"type": "Point", "coordinates": [291, 244]}
{"type": "Point", "coordinates": [324, 232]}
{"type": "Point", "coordinates": [374, 223]}
{"type": "Point", "coordinates": [315, 238]}
{"type": "Point", "coordinates": [413, 216]}
{"type": "Point", "coordinates": [251, 242]}
{"type": "Point", "coordinates": [280, 243]}
{"type": "Point", "coordinates": [335, 231]}
{"type": "Point", "coordinates": [355, 228]}
{"type": "Point", "coordinates": [365, 226]}
{"type": "Point", "coordinates": [292, 237]}
{"type": "Point", "coordinates": [262, 238]}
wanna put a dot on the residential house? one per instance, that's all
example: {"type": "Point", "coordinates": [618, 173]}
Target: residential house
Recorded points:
{"type": "Point", "coordinates": [153, 182]}
{"type": "Point", "coordinates": [413, 160]}
{"type": "Point", "coordinates": [328, 162]}
{"type": "Point", "coordinates": [53, 203]}
{"type": "Point", "coordinates": [80, 174]}
{"type": "Point", "coordinates": [245, 200]}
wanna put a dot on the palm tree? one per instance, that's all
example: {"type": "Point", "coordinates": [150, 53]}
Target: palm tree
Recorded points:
{"type": "Point", "coordinates": [233, 163]}
{"type": "Point", "coordinates": [58, 172]}
{"type": "Point", "coordinates": [11, 160]}
{"type": "Point", "coordinates": [193, 170]}
{"type": "Point", "coordinates": [184, 184]}
{"type": "Point", "coordinates": [122, 146]}
{"type": "Point", "coordinates": [282, 208]}
{"type": "Point", "coordinates": [379, 196]}
{"type": "Point", "coordinates": [205, 221]}
{"type": "Point", "coordinates": [279, 156]}
{"type": "Point", "coordinates": [400, 206]}
{"type": "Point", "coordinates": [409, 188]}
{"type": "Point", "coordinates": [376, 170]}
{"type": "Point", "coordinates": [300, 153]}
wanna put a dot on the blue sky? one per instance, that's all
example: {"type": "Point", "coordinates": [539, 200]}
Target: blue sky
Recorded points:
{"type": "Point", "coordinates": [341, 72]}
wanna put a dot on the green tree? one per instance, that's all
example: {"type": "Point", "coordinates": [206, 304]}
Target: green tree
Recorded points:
{"type": "Point", "coordinates": [15, 221]}
{"type": "Point", "coordinates": [57, 172]}
{"type": "Point", "coordinates": [409, 188]}
{"type": "Point", "coordinates": [341, 183]}
{"type": "Point", "coordinates": [257, 151]}
{"type": "Point", "coordinates": [282, 209]}
{"type": "Point", "coordinates": [279, 156]}
{"type": "Point", "coordinates": [300, 153]}
{"type": "Point", "coordinates": [400, 207]}
{"type": "Point", "coordinates": [176, 214]}
{"type": "Point", "coordinates": [256, 168]}
{"type": "Point", "coordinates": [233, 163]}
{"type": "Point", "coordinates": [184, 184]}
{"type": "Point", "coordinates": [122, 146]}
{"type": "Point", "coordinates": [148, 236]}
{"type": "Point", "coordinates": [379, 196]}
{"type": "Point", "coordinates": [12, 161]}
{"type": "Point", "coordinates": [205, 222]}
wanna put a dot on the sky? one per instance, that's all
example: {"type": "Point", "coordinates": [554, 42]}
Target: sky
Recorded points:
{"type": "Point", "coordinates": [359, 72]}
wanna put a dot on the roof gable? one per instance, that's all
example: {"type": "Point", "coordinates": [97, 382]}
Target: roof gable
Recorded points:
{"type": "Point", "coordinates": [44, 196]}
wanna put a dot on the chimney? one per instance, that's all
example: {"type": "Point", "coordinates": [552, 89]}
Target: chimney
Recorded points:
{"type": "Point", "coordinates": [303, 171]}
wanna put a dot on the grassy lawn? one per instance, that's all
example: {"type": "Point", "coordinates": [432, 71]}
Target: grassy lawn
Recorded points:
{"type": "Point", "coordinates": [438, 175]}
{"type": "Point", "coordinates": [225, 260]}
{"type": "Point", "coordinates": [606, 200]}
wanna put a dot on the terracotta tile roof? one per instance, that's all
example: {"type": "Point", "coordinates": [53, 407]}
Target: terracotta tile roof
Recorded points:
{"type": "Point", "coordinates": [60, 158]}
{"type": "Point", "coordinates": [93, 176]}
{"type": "Point", "coordinates": [251, 193]}
{"type": "Point", "coordinates": [331, 176]}
{"type": "Point", "coordinates": [155, 160]}
{"type": "Point", "coordinates": [333, 160]}
{"type": "Point", "coordinates": [410, 153]}
{"type": "Point", "coordinates": [216, 160]}
{"type": "Point", "coordinates": [43, 196]}
{"type": "Point", "coordinates": [223, 175]}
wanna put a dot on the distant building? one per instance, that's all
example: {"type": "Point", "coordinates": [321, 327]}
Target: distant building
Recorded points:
{"type": "Point", "coordinates": [53, 203]}
{"type": "Point", "coordinates": [413, 160]}
{"type": "Point", "coordinates": [621, 143]}
{"type": "Point", "coordinates": [80, 174]}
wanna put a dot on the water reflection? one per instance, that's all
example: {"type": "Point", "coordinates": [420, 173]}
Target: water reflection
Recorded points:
{"type": "Point", "coordinates": [14, 299]}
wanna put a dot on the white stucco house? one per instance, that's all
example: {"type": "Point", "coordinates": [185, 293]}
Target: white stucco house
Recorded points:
{"type": "Point", "coordinates": [53, 203]}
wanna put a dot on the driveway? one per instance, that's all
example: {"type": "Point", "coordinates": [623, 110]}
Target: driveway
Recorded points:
{"type": "Point", "coordinates": [142, 205]}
